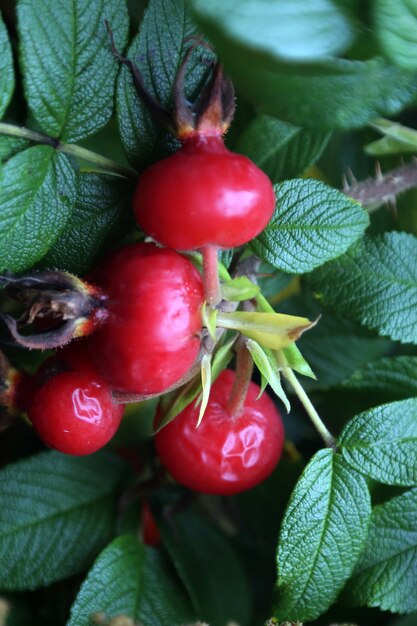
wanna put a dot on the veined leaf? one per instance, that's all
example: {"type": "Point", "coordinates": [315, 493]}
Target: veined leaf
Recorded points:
{"type": "Point", "coordinates": [374, 283]}
{"type": "Point", "coordinates": [396, 30]}
{"type": "Point", "coordinates": [382, 443]}
{"type": "Point", "coordinates": [135, 581]}
{"type": "Point", "coordinates": [158, 49]}
{"type": "Point", "coordinates": [393, 378]}
{"type": "Point", "coordinates": [6, 69]}
{"type": "Point", "coordinates": [56, 513]}
{"type": "Point", "coordinates": [68, 66]}
{"type": "Point", "coordinates": [9, 146]}
{"type": "Point", "coordinates": [385, 575]}
{"type": "Point", "coordinates": [280, 63]}
{"type": "Point", "coordinates": [322, 534]}
{"type": "Point", "coordinates": [37, 200]}
{"type": "Point", "coordinates": [280, 149]}
{"type": "Point", "coordinates": [101, 213]}
{"type": "Point", "coordinates": [330, 338]}
{"type": "Point", "coordinates": [312, 224]}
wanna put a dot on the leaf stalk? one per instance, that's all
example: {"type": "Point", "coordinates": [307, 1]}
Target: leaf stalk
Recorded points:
{"type": "Point", "coordinates": [74, 150]}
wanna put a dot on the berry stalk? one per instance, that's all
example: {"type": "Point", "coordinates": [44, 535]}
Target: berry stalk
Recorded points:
{"type": "Point", "coordinates": [211, 282]}
{"type": "Point", "coordinates": [244, 368]}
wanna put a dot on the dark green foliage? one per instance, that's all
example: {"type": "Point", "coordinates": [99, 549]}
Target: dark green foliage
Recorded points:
{"type": "Point", "coordinates": [310, 75]}
{"type": "Point", "coordinates": [131, 580]}
{"type": "Point", "coordinates": [57, 512]}
{"type": "Point", "coordinates": [312, 223]}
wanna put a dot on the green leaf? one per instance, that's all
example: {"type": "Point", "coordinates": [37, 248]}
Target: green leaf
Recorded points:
{"type": "Point", "coordinates": [292, 354]}
{"type": "Point", "coordinates": [37, 199]}
{"type": "Point", "coordinates": [396, 30]}
{"type": "Point", "coordinates": [158, 49]}
{"type": "Point", "coordinates": [239, 289]}
{"type": "Point", "coordinates": [101, 214]}
{"type": "Point", "coordinates": [57, 512]}
{"type": "Point", "coordinates": [208, 567]}
{"type": "Point", "coordinates": [290, 74]}
{"type": "Point", "coordinates": [385, 574]}
{"type": "Point", "coordinates": [9, 146]}
{"type": "Point", "coordinates": [312, 224]}
{"type": "Point", "coordinates": [297, 30]}
{"type": "Point", "coordinates": [173, 403]}
{"type": "Point", "coordinates": [322, 535]}
{"type": "Point", "coordinates": [68, 67]}
{"type": "Point", "coordinates": [397, 138]}
{"type": "Point", "coordinates": [134, 581]}
{"type": "Point", "coordinates": [266, 363]}
{"type": "Point", "coordinates": [374, 283]}
{"type": "Point", "coordinates": [176, 401]}
{"type": "Point", "coordinates": [388, 145]}
{"type": "Point", "coordinates": [271, 330]}
{"type": "Point", "coordinates": [297, 362]}
{"type": "Point", "coordinates": [6, 69]}
{"type": "Point", "coordinates": [391, 378]}
{"type": "Point", "coordinates": [280, 149]}
{"type": "Point", "coordinates": [382, 443]}
{"type": "Point", "coordinates": [206, 386]}
{"type": "Point", "coordinates": [332, 337]}
{"type": "Point", "coordinates": [209, 318]}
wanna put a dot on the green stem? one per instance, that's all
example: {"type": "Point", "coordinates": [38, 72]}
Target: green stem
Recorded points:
{"type": "Point", "coordinates": [71, 149]}
{"type": "Point", "coordinates": [211, 282]}
{"type": "Point", "coordinates": [287, 372]}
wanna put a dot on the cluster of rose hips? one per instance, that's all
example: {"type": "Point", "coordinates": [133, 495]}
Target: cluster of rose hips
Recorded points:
{"type": "Point", "coordinates": [202, 198]}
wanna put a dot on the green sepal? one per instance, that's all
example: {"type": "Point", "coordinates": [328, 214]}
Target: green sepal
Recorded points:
{"type": "Point", "coordinates": [266, 363]}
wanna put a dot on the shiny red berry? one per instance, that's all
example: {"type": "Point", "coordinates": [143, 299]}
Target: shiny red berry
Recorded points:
{"type": "Point", "coordinates": [224, 455]}
{"type": "Point", "coordinates": [152, 334]}
{"type": "Point", "coordinates": [203, 195]}
{"type": "Point", "coordinates": [150, 531]}
{"type": "Point", "coordinates": [73, 412]}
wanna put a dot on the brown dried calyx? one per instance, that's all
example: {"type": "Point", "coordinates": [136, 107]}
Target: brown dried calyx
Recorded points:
{"type": "Point", "coordinates": [51, 307]}
{"type": "Point", "coordinates": [212, 111]}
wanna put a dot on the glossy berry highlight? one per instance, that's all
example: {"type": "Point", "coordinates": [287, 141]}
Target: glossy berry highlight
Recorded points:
{"type": "Point", "coordinates": [203, 195]}
{"type": "Point", "coordinates": [152, 334]}
{"type": "Point", "coordinates": [74, 413]}
{"type": "Point", "coordinates": [224, 455]}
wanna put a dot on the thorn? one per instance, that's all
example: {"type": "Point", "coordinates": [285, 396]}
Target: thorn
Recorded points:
{"type": "Point", "coordinates": [350, 176]}
{"type": "Point", "coordinates": [390, 203]}
{"type": "Point", "coordinates": [345, 183]}
{"type": "Point", "coordinates": [378, 171]}
{"type": "Point", "coordinates": [392, 206]}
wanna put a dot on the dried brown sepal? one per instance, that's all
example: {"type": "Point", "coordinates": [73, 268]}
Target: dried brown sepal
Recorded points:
{"type": "Point", "coordinates": [211, 113]}
{"type": "Point", "coordinates": [10, 380]}
{"type": "Point", "coordinates": [60, 303]}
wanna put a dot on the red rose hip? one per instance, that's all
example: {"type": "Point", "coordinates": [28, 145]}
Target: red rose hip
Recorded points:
{"type": "Point", "coordinates": [152, 334]}
{"type": "Point", "coordinates": [73, 412]}
{"type": "Point", "coordinates": [224, 455]}
{"type": "Point", "coordinates": [203, 195]}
